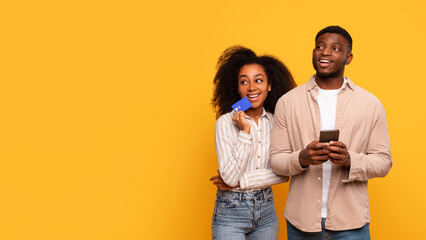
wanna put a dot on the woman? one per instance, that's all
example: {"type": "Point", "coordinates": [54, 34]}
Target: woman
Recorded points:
{"type": "Point", "coordinates": [244, 205]}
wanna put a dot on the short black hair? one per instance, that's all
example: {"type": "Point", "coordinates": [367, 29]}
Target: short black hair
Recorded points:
{"type": "Point", "coordinates": [338, 30]}
{"type": "Point", "coordinates": [225, 82]}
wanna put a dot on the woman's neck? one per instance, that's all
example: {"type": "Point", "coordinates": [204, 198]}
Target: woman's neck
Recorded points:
{"type": "Point", "coordinates": [255, 113]}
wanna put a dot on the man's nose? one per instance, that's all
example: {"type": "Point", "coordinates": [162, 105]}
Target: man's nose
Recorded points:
{"type": "Point", "coordinates": [326, 51]}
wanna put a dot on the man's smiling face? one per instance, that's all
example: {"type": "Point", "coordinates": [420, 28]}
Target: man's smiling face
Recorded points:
{"type": "Point", "coordinates": [330, 55]}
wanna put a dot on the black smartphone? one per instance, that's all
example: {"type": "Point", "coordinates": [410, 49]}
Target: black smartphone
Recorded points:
{"type": "Point", "coordinates": [329, 135]}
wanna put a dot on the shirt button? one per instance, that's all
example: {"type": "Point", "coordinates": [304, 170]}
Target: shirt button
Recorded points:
{"type": "Point", "coordinates": [259, 141]}
{"type": "Point", "coordinates": [257, 168]}
{"type": "Point", "coordinates": [258, 156]}
{"type": "Point", "coordinates": [319, 178]}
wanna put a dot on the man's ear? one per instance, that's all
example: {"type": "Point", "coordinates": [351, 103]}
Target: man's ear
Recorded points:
{"type": "Point", "coordinates": [349, 58]}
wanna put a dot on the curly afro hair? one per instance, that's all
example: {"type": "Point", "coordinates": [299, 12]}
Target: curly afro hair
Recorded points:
{"type": "Point", "coordinates": [225, 82]}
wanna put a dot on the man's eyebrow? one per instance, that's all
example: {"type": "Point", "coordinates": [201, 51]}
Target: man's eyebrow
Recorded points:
{"type": "Point", "coordinates": [333, 43]}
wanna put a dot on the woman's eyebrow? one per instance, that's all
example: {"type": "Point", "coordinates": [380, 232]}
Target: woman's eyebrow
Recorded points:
{"type": "Point", "coordinates": [257, 75]}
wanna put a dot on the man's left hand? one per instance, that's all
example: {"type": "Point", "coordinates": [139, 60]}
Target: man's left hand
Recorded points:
{"type": "Point", "coordinates": [339, 154]}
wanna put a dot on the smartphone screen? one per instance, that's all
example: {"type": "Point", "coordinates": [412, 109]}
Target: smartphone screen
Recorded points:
{"type": "Point", "coordinates": [329, 135]}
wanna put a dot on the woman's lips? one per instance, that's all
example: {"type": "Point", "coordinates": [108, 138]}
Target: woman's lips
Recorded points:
{"type": "Point", "coordinates": [253, 97]}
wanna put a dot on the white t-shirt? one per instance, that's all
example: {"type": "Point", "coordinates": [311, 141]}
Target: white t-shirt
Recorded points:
{"type": "Point", "coordinates": [327, 101]}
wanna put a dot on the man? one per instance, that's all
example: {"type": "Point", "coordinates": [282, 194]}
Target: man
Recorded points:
{"type": "Point", "coordinates": [328, 196]}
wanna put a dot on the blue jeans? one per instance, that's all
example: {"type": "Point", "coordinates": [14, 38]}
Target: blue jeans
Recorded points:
{"type": "Point", "coordinates": [249, 215]}
{"type": "Point", "coordinates": [355, 234]}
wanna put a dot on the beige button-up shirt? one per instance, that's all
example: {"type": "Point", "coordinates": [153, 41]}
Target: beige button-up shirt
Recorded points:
{"type": "Point", "coordinates": [361, 119]}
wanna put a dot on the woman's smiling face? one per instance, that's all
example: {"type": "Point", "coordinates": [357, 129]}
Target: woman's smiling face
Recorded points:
{"type": "Point", "coordinates": [253, 84]}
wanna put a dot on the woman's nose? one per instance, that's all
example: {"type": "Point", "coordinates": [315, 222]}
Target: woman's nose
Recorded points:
{"type": "Point", "coordinates": [251, 86]}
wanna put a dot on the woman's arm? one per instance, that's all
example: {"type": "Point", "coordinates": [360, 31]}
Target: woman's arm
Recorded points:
{"type": "Point", "coordinates": [232, 156]}
{"type": "Point", "coordinates": [261, 178]}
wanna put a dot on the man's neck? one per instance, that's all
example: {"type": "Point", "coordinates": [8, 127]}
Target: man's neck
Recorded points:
{"type": "Point", "coordinates": [329, 83]}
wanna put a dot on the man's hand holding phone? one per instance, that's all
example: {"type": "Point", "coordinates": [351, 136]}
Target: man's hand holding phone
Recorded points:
{"type": "Point", "coordinates": [339, 154]}
{"type": "Point", "coordinates": [315, 153]}
{"type": "Point", "coordinates": [328, 147]}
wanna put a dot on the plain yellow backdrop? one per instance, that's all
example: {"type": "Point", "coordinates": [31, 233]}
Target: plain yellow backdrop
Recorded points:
{"type": "Point", "coordinates": [106, 127]}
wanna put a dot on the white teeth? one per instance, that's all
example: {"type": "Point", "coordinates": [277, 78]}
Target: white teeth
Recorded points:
{"type": "Point", "coordinates": [252, 96]}
{"type": "Point", "coordinates": [324, 61]}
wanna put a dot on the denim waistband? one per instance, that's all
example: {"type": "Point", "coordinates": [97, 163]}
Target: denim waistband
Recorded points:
{"type": "Point", "coordinates": [257, 194]}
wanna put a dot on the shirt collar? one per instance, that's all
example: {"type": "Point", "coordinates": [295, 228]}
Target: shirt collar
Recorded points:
{"type": "Point", "coordinates": [264, 114]}
{"type": "Point", "coordinates": [313, 84]}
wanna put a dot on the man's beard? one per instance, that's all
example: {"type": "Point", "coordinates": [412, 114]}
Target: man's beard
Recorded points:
{"type": "Point", "coordinates": [330, 74]}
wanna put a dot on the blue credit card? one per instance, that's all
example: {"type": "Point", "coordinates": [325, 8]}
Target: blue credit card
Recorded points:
{"type": "Point", "coordinates": [242, 105]}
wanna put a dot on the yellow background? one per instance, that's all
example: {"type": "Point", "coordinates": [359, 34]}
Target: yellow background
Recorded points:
{"type": "Point", "coordinates": [106, 128]}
